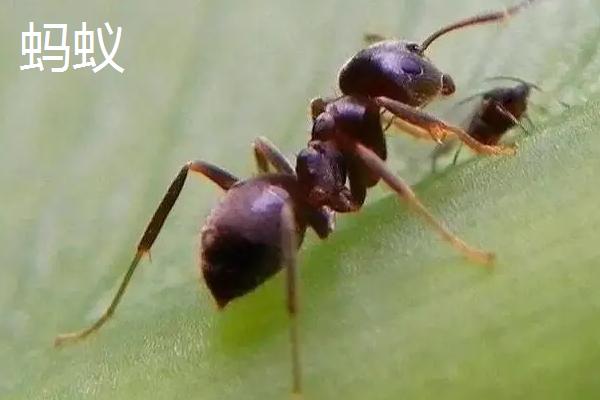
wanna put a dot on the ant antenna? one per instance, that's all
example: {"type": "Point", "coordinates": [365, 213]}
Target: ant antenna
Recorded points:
{"type": "Point", "coordinates": [514, 79]}
{"type": "Point", "coordinates": [476, 20]}
{"type": "Point", "coordinates": [524, 82]}
{"type": "Point", "coordinates": [470, 98]}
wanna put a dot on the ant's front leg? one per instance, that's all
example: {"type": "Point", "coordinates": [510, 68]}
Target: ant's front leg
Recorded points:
{"type": "Point", "coordinates": [419, 122]}
{"type": "Point", "coordinates": [217, 175]}
{"type": "Point", "coordinates": [508, 115]}
{"type": "Point", "coordinates": [266, 154]}
{"type": "Point", "coordinates": [389, 120]}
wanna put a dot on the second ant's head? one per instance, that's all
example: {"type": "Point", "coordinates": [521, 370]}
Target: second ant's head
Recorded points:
{"type": "Point", "coordinates": [513, 99]}
{"type": "Point", "coordinates": [321, 172]}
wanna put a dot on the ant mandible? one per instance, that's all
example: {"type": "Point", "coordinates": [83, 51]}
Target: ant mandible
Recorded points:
{"type": "Point", "coordinates": [397, 76]}
{"type": "Point", "coordinates": [499, 110]}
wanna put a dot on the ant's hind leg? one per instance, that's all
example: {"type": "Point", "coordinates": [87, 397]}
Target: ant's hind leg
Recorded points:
{"type": "Point", "coordinates": [455, 158]}
{"type": "Point", "coordinates": [374, 163]}
{"type": "Point", "coordinates": [266, 153]}
{"type": "Point", "coordinates": [419, 122]}
{"type": "Point", "coordinates": [217, 175]}
{"type": "Point", "coordinates": [289, 249]}
{"type": "Point", "coordinates": [530, 122]}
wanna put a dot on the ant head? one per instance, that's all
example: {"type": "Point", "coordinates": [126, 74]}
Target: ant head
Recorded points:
{"type": "Point", "coordinates": [447, 84]}
{"type": "Point", "coordinates": [515, 97]}
{"type": "Point", "coordinates": [321, 172]}
{"type": "Point", "coordinates": [419, 78]}
{"type": "Point", "coordinates": [425, 77]}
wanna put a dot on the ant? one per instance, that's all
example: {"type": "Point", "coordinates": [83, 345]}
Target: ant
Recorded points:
{"type": "Point", "coordinates": [397, 76]}
{"type": "Point", "coordinates": [259, 224]}
{"type": "Point", "coordinates": [255, 229]}
{"type": "Point", "coordinates": [500, 109]}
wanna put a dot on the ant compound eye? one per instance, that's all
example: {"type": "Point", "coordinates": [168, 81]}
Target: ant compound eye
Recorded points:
{"type": "Point", "coordinates": [414, 48]}
{"type": "Point", "coordinates": [411, 66]}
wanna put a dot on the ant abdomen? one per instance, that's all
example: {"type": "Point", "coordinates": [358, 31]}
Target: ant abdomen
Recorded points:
{"type": "Point", "coordinates": [241, 239]}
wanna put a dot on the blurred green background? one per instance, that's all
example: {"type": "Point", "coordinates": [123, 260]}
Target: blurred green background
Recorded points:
{"type": "Point", "coordinates": [388, 311]}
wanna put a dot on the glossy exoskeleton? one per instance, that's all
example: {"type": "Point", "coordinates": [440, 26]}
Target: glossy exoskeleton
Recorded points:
{"type": "Point", "coordinates": [397, 76]}
{"type": "Point", "coordinates": [255, 229]}
{"type": "Point", "coordinates": [348, 144]}
{"type": "Point", "coordinates": [258, 225]}
{"type": "Point", "coordinates": [499, 110]}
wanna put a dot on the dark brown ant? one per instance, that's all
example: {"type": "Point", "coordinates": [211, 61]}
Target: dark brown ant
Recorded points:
{"type": "Point", "coordinates": [255, 230]}
{"type": "Point", "coordinates": [397, 76]}
{"type": "Point", "coordinates": [260, 223]}
{"type": "Point", "coordinates": [499, 110]}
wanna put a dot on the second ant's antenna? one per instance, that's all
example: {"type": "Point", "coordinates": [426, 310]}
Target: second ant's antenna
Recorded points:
{"type": "Point", "coordinates": [476, 20]}
{"type": "Point", "coordinates": [514, 79]}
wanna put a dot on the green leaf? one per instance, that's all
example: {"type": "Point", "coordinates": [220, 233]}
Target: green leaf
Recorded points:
{"type": "Point", "coordinates": [388, 310]}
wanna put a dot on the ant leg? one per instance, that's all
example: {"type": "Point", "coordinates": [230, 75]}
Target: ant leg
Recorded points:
{"type": "Point", "coordinates": [439, 151]}
{"type": "Point", "coordinates": [389, 121]}
{"type": "Point", "coordinates": [374, 163]}
{"type": "Point", "coordinates": [402, 126]}
{"type": "Point", "coordinates": [262, 165]}
{"type": "Point", "coordinates": [455, 159]}
{"type": "Point", "coordinates": [357, 178]}
{"type": "Point", "coordinates": [322, 219]}
{"type": "Point", "coordinates": [317, 106]}
{"type": "Point", "coordinates": [500, 108]}
{"type": "Point", "coordinates": [219, 176]}
{"type": "Point", "coordinates": [470, 98]}
{"type": "Point", "coordinates": [266, 153]}
{"type": "Point", "coordinates": [529, 121]}
{"type": "Point", "coordinates": [419, 122]}
{"type": "Point", "coordinates": [371, 38]}
{"type": "Point", "coordinates": [289, 248]}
